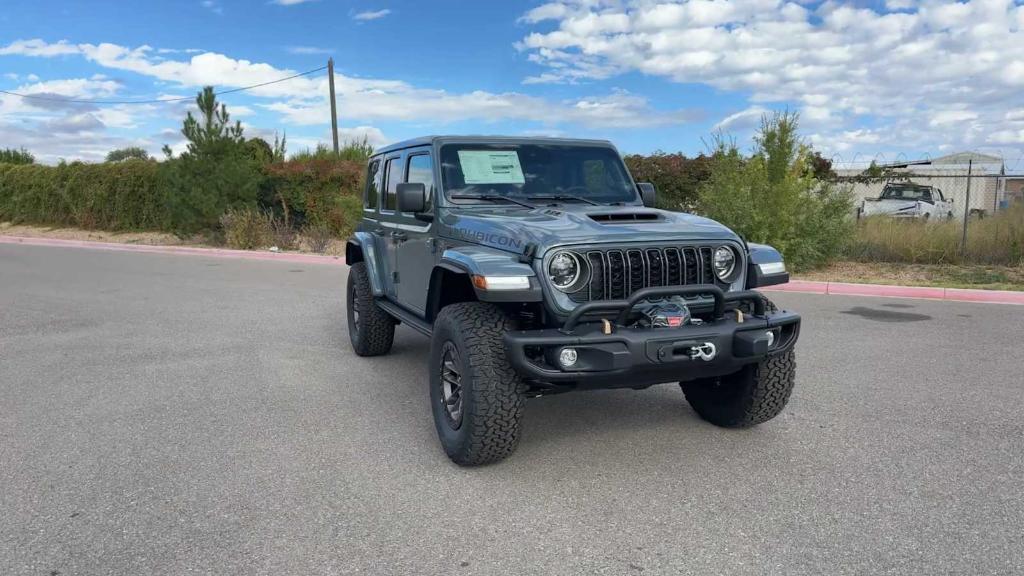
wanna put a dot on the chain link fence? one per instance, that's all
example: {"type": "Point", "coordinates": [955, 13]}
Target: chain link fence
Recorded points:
{"type": "Point", "coordinates": [967, 191]}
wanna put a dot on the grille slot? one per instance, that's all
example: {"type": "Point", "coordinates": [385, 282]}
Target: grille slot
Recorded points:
{"type": "Point", "coordinates": [616, 273]}
{"type": "Point", "coordinates": [692, 269]}
{"type": "Point", "coordinates": [706, 274]}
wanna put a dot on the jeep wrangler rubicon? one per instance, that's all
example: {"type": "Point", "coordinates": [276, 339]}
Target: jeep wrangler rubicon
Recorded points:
{"type": "Point", "coordinates": [537, 266]}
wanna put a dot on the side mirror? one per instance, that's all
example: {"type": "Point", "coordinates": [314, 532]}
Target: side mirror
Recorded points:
{"type": "Point", "coordinates": [647, 193]}
{"type": "Point", "coordinates": [412, 197]}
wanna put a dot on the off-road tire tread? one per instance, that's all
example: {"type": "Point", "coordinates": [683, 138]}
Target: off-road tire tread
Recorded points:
{"type": "Point", "coordinates": [498, 392]}
{"type": "Point", "coordinates": [377, 330]}
{"type": "Point", "coordinates": [749, 397]}
{"type": "Point", "coordinates": [769, 306]}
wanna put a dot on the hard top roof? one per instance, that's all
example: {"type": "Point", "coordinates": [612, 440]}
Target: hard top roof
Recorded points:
{"type": "Point", "coordinates": [477, 139]}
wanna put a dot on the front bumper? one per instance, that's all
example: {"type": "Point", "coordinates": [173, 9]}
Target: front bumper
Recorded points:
{"type": "Point", "coordinates": [636, 357]}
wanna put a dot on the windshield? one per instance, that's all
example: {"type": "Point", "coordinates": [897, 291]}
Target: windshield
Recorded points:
{"type": "Point", "coordinates": [535, 171]}
{"type": "Point", "coordinates": [906, 193]}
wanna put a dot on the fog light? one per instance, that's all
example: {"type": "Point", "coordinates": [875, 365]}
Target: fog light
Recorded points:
{"type": "Point", "coordinates": [771, 338]}
{"type": "Point", "coordinates": [567, 357]}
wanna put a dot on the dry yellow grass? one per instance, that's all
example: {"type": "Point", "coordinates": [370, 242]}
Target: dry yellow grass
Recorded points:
{"type": "Point", "coordinates": [145, 238]}
{"type": "Point", "coordinates": [336, 247]}
{"type": "Point", "coordinates": [942, 275]}
{"type": "Point", "coordinates": [994, 240]}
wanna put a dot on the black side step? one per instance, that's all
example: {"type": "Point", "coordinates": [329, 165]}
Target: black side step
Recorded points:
{"type": "Point", "coordinates": [408, 318]}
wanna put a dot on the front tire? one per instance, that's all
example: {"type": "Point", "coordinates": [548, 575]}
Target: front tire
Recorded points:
{"type": "Point", "coordinates": [476, 397]}
{"type": "Point", "coordinates": [755, 394]}
{"type": "Point", "coordinates": [371, 330]}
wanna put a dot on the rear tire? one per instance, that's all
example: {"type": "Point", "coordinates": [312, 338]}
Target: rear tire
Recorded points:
{"type": "Point", "coordinates": [476, 397]}
{"type": "Point", "coordinates": [371, 330]}
{"type": "Point", "coordinates": [755, 394]}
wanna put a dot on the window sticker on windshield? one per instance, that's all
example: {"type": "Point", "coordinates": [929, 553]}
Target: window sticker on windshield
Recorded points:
{"type": "Point", "coordinates": [491, 167]}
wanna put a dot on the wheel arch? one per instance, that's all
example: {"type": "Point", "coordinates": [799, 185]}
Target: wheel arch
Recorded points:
{"type": "Point", "coordinates": [449, 284]}
{"type": "Point", "coordinates": [361, 248]}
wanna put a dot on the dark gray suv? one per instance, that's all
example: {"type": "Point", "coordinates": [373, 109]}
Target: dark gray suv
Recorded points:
{"type": "Point", "coordinates": [537, 266]}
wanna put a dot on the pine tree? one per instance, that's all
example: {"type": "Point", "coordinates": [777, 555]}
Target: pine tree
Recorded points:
{"type": "Point", "coordinates": [215, 132]}
{"type": "Point", "coordinates": [216, 172]}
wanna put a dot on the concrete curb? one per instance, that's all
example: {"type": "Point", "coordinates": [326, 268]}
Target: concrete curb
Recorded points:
{"type": "Point", "coordinates": [187, 250]}
{"type": "Point", "coordinates": [924, 292]}
{"type": "Point", "coordinates": [800, 286]}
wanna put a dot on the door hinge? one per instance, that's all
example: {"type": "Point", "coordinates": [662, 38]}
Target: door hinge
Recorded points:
{"type": "Point", "coordinates": [394, 277]}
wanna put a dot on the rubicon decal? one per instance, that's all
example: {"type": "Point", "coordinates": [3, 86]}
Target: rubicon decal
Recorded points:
{"type": "Point", "coordinates": [487, 238]}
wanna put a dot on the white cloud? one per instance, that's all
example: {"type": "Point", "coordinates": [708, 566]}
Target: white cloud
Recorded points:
{"type": "Point", "coordinates": [945, 117]}
{"type": "Point", "coordinates": [212, 6]}
{"type": "Point", "coordinates": [308, 50]}
{"type": "Point", "coordinates": [303, 100]}
{"type": "Point", "coordinates": [935, 73]}
{"type": "Point", "coordinates": [39, 47]}
{"type": "Point", "coordinates": [743, 120]}
{"type": "Point", "coordinates": [398, 101]}
{"type": "Point", "coordinates": [894, 5]}
{"type": "Point", "coordinates": [1007, 137]}
{"type": "Point", "coordinates": [552, 11]}
{"type": "Point", "coordinates": [371, 15]}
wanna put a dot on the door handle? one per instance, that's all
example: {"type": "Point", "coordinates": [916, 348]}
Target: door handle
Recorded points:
{"type": "Point", "coordinates": [378, 231]}
{"type": "Point", "coordinates": [399, 236]}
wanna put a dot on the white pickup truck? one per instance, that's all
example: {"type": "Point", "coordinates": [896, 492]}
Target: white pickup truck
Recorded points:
{"type": "Point", "coordinates": [909, 200]}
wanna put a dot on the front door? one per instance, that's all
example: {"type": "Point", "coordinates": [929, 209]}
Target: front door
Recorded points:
{"type": "Point", "coordinates": [416, 253]}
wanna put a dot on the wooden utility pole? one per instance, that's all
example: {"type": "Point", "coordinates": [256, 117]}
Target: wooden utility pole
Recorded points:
{"type": "Point", "coordinates": [334, 106]}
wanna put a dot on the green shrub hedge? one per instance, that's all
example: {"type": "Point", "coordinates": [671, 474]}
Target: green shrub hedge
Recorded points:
{"type": "Point", "coordinates": [179, 196]}
{"type": "Point", "coordinates": [121, 196]}
{"type": "Point", "coordinates": [306, 191]}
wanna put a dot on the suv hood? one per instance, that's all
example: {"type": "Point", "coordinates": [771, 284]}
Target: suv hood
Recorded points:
{"type": "Point", "coordinates": [511, 228]}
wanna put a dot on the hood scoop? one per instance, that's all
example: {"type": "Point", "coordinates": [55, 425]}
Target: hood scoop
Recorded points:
{"type": "Point", "coordinates": [626, 217]}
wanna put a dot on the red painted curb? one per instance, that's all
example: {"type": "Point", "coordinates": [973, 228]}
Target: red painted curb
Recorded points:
{"type": "Point", "coordinates": [802, 286]}
{"type": "Point", "coordinates": [884, 290]}
{"type": "Point", "coordinates": [992, 296]}
{"type": "Point", "coordinates": [798, 286]}
{"type": "Point", "coordinates": [187, 250]}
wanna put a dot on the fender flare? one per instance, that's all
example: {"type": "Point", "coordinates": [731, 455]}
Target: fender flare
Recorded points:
{"type": "Point", "coordinates": [760, 255]}
{"type": "Point", "coordinates": [483, 261]}
{"type": "Point", "coordinates": [363, 242]}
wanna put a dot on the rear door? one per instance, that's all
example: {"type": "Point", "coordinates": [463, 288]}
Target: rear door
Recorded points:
{"type": "Point", "coordinates": [391, 170]}
{"type": "Point", "coordinates": [372, 199]}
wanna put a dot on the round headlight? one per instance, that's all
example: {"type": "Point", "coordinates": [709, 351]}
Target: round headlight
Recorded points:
{"type": "Point", "coordinates": [564, 270]}
{"type": "Point", "coordinates": [724, 263]}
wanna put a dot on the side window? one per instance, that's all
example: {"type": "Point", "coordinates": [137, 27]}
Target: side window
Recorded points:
{"type": "Point", "coordinates": [421, 169]}
{"type": "Point", "coordinates": [392, 177]}
{"type": "Point", "coordinates": [372, 185]}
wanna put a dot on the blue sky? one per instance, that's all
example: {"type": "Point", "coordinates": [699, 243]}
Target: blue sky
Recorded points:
{"type": "Point", "coordinates": [882, 80]}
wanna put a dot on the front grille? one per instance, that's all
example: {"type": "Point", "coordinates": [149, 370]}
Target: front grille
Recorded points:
{"type": "Point", "coordinates": [616, 273]}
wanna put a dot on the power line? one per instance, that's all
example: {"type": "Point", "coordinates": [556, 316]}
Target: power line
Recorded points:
{"type": "Point", "coordinates": [159, 101]}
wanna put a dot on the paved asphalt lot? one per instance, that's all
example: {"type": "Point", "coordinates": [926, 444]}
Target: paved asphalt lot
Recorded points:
{"type": "Point", "coordinates": [165, 414]}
